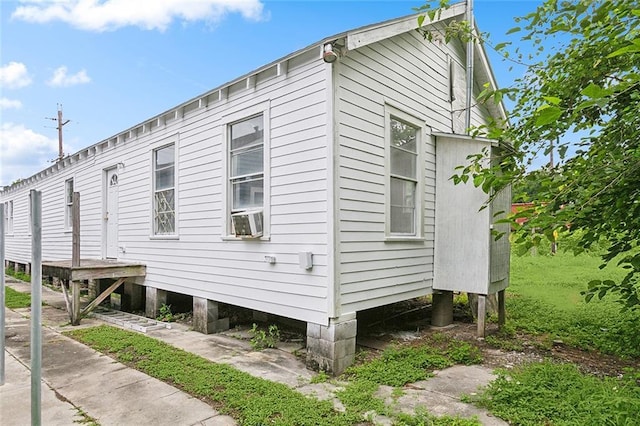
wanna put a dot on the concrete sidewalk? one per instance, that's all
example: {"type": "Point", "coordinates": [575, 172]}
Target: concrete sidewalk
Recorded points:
{"type": "Point", "coordinates": [77, 379]}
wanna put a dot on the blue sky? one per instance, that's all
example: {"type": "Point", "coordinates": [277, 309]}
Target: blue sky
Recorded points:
{"type": "Point", "coordinates": [114, 63]}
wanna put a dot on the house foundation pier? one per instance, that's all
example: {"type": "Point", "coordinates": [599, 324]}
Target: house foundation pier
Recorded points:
{"type": "Point", "coordinates": [154, 299]}
{"type": "Point", "coordinates": [332, 348]}
{"type": "Point", "coordinates": [442, 311]}
{"type": "Point", "coordinates": [206, 316]}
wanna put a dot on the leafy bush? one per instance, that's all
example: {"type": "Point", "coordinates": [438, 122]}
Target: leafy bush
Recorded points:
{"type": "Point", "coordinates": [264, 339]}
{"type": "Point", "coordinates": [165, 314]}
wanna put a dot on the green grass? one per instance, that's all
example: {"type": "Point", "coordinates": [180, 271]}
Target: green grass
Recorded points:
{"type": "Point", "coordinates": [22, 276]}
{"type": "Point", "coordinates": [15, 299]}
{"type": "Point", "coordinates": [550, 393]}
{"type": "Point", "coordinates": [545, 300]}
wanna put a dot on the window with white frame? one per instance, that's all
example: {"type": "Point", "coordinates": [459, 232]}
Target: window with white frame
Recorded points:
{"type": "Point", "coordinates": [246, 164]}
{"type": "Point", "coordinates": [164, 191]}
{"type": "Point", "coordinates": [403, 178]}
{"type": "Point", "coordinates": [68, 203]}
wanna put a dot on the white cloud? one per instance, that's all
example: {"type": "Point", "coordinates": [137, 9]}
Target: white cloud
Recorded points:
{"type": "Point", "coordinates": [60, 78]}
{"type": "Point", "coordinates": [23, 152]}
{"type": "Point", "coordinates": [6, 103]}
{"type": "Point", "coordinates": [14, 76]}
{"type": "Point", "coordinates": [105, 15]}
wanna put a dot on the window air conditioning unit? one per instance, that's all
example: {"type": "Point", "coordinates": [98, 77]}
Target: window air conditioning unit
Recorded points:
{"type": "Point", "coordinates": [247, 224]}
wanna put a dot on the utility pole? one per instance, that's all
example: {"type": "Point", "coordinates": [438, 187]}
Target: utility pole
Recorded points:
{"type": "Point", "coordinates": [59, 127]}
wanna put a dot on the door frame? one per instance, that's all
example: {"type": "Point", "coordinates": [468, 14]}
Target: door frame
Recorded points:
{"type": "Point", "coordinates": [105, 196]}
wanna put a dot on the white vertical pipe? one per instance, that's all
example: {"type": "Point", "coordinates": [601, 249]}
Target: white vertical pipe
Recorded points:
{"type": "Point", "coordinates": [2, 308]}
{"type": "Point", "coordinates": [36, 306]}
{"type": "Point", "coordinates": [469, 75]}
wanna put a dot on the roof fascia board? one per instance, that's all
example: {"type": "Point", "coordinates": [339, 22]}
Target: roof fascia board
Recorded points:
{"type": "Point", "coordinates": [372, 34]}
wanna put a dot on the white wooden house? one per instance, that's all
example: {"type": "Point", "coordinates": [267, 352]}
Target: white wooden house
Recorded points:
{"type": "Point", "coordinates": [307, 189]}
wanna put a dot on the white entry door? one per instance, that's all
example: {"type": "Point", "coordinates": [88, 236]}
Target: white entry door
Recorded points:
{"type": "Point", "coordinates": [111, 214]}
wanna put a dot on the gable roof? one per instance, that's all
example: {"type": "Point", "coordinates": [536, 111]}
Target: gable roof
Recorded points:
{"type": "Point", "coordinates": [352, 39]}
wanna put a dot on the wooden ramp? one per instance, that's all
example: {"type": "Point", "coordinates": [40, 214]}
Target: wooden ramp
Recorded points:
{"type": "Point", "coordinates": [90, 269]}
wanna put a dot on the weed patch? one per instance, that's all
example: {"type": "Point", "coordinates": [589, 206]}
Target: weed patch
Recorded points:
{"type": "Point", "coordinates": [263, 339]}
{"type": "Point", "coordinates": [15, 299]}
{"type": "Point", "coordinates": [553, 393]}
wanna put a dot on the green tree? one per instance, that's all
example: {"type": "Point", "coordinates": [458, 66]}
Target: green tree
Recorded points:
{"type": "Point", "coordinates": [582, 76]}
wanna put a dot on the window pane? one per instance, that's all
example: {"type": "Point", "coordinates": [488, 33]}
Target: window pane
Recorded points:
{"type": "Point", "coordinates": [402, 220]}
{"type": "Point", "coordinates": [165, 178]}
{"type": "Point", "coordinates": [247, 132]}
{"type": "Point", "coordinates": [403, 135]}
{"type": "Point", "coordinates": [164, 222]}
{"type": "Point", "coordinates": [247, 162]}
{"type": "Point", "coordinates": [403, 201]}
{"type": "Point", "coordinates": [402, 192]}
{"type": "Point", "coordinates": [165, 156]}
{"type": "Point", "coordinates": [403, 163]}
{"type": "Point", "coordinates": [69, 191]}
{"type": "Point", "coordinates": [247, 194]}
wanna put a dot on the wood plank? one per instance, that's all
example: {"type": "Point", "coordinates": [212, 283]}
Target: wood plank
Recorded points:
{"type": "Point", "coordinates": [108, 272]}
{"type": "Point", "coordinates": [101, 297]}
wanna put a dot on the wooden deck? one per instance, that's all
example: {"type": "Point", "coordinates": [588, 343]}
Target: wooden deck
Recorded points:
{"type": "Point", "coordinates": [92, 269]}
{"type": "Point", "coordinates": [89, 269]}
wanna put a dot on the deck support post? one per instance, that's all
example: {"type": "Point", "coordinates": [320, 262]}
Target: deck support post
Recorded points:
{"type": "Point", "coordinates": [442, 311]}
{"type": "Point", "coordinates": [502, 311]}
{"type": "Point", "coordinates": [154, 299]}
{"type": "Point", "coordinates": [206, 316]}
{"type": "Point", "coordinates": [332, 348]}
{"type": "Point", "coordinates": [75, 303]}
{"type": "Point", "coordinates": [482, 315]}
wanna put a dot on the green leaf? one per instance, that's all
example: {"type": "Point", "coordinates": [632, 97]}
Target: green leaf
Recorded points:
{"type": "Point", "coordinates": [420, 20]}
{"type": "Point", "coordinates": [594, 91]}
{"type": "Point", "coordinates": [552, 100]}
{"type": "Point", "coordinates": [548, 115]}
{"type": "Point", "coordinates": [513, 30]}
{"type": "Point", "coordinates": [501, 46]}
{"type": "Point", "coordinates": [632, 48]}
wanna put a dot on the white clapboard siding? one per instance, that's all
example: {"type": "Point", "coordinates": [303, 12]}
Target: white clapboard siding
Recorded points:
{"type": "Point", "coordinates": [198, 261]}
{"type": "Point", "coordinates": [406, 72]}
